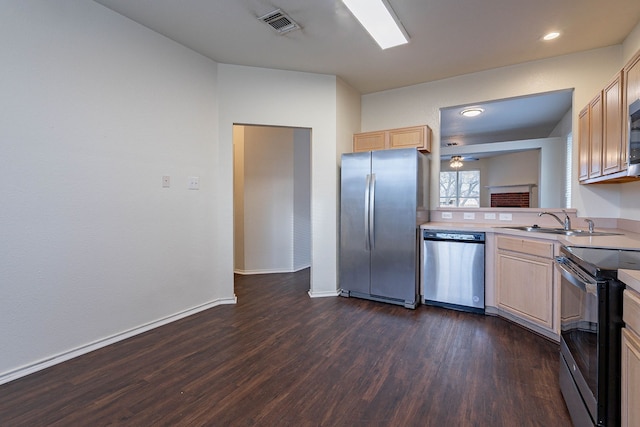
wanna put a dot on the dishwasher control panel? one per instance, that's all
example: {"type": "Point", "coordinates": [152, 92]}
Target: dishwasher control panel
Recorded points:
{"type": "Point", "coordinates": [452, 235]}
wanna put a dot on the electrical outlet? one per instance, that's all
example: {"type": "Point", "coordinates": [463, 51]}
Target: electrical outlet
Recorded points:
{"type": "Point", "coordinates": [469, 215]}
{"type": "Point", "coordinates": [447, 215]}
{"type": "Point", "coordinates": [490, 215]}
{"type": "Point", "coordinates": [166, 181]}
{"type": "Point", "coordinates": [506, 217]}
{"type": "Point", "coordinates": [193, 183]}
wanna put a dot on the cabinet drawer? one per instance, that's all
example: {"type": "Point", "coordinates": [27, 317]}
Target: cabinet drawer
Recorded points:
{"type": "Point", "coordinates": [526, 246]}
{"type": "Point", "coordinates": [631, 310]}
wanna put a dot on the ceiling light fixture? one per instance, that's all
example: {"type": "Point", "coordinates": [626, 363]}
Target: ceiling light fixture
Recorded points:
{"type": "Point", "coordinates": [455, 162]}
{"type": "Point", "coordinates": [551, 36]}
{"type": "Point", "coordinates": [472, 112]}
{"type": "Point", "coordinates": [377, 17]}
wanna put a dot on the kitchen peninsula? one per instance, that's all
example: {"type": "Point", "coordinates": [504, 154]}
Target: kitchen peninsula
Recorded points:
{"type": "Point", "coordinates": [533, 300]}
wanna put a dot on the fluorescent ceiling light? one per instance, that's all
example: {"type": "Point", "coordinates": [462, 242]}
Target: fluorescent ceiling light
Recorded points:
{"type": "Point", "coordinates": [377, 17]}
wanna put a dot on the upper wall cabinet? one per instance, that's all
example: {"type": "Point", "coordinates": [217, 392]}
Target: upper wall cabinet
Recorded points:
{"type": "Point", "coordinates": [584, 143]}
{"type": "Point", "coordinates": [590, 141]}
{"type": "Point", "coordinates": [603, 140]}
{"type": "Point", "coordinates": [411, 137]}
{"type": "Point", "coordinates": [632, 81]}
{"type": "Point", "coordinates": [595, 137]}
{"type": "Point", "coordinates": [614, 153]}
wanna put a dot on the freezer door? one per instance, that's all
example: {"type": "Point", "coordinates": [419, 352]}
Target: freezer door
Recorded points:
{"type": "Point", "coordinates": [394, 232]}
{"type": "Point", "coordinates": [354, 254]}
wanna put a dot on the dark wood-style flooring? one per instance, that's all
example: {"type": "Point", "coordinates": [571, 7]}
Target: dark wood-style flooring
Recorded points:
{"type": "Point", "coordinates": [280, 358]}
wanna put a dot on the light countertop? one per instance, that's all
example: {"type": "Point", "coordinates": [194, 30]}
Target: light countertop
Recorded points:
{"type": "Point", "coordinates": [626, 239]}
{"type": "Point", "coordinates": [631, 278]}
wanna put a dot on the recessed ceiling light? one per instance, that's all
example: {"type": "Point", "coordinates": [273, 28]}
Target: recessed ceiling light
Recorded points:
{"type": "Point", "coordinates": [377, 17]}
{"type": "Point", "coordinates": [551, 36]}
{"type": "Point", "coordinates": [472, 112]}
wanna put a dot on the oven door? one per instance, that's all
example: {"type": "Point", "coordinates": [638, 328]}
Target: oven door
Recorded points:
{"type": "Point", "coordinates": [581, 331]}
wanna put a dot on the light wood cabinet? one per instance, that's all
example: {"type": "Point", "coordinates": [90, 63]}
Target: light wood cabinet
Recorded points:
{"type": "Point", "coordinates": [602, 149]}
{"type": "Point", "coordinates": [595, 137]}
{"type": "Point", "coordinates": [525, 280]}
{"type": "Point", "coordinates": [632, 80]}
{"type": "Point", "coordinates": [369, 141]}
{"type": "Point", "coordinates": [630, 361]}
{"type": "Point", "coordinates": [418, 137]}
{"type": "Point", "coordinates": [603, 133]}
{"type": "Point", "coordinates": [583, 144]}
{"type": "Point", "coordinates": [614, 147]}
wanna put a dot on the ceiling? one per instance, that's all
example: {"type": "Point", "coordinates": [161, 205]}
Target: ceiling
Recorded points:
{"type": "Point", "coordinates": [524, 117]}
{"type": "Point", "coordinates": [448, 38]}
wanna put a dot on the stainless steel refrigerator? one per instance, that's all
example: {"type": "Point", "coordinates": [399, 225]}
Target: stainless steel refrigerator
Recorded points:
{"type": "Point", "coordinates": [383, 200]}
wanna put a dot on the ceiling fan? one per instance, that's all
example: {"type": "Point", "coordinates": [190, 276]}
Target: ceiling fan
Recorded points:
{"type": "Point", "coordinates": [457, 161]}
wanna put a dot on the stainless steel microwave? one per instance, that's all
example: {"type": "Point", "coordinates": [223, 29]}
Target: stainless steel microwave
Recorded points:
{"type": "Point", "coordinates": [634, 139]}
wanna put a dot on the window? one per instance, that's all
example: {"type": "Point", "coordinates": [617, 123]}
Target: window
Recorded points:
{"type": "Point", "coordinates": [460, 188]}
{"type": "Point", "coordinates": [567, 182]}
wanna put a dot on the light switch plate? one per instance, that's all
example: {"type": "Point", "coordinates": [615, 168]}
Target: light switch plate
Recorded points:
{"type": "Point", "coordinates": [447, 215]}
{"type": "Point", "coordinates": [194, 183]}
{"type": "Point", "coordinates": [506, 217]}
{"type": "Point", "coordinates": [166, 181]}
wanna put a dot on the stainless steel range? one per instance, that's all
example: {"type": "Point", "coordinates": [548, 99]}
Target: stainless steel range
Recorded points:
{"type": "Point", "coordinates": [591, 321]}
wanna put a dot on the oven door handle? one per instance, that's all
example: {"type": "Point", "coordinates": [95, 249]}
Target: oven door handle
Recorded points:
{"type": "Point", "coordinates": [574, 275]}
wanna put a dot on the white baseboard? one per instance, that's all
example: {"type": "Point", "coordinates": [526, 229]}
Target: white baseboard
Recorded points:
{"type": "Point", "coordinates": [84, 349]}
{"type": "Point", "coordinates": [324, 294]}
{"type": "Point", "coordinates": [269, 271]}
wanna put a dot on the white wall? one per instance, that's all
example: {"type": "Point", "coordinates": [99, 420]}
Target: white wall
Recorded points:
{"type": "Point", "coordinates": [505, 169]}
{"type": "Point", "coordinates": [302, 100]}
{"type": "Point", "coordinates": [238, 198]}
{"type": "Point", "coordinates": [552, 164]}
{"type": "Point", "coordinates": [268, 199]}
{"type": "Point", "coordinates": [515, 168]}
{"type": "Point", "coordinates": [301, 199]}
{"type": "Point", "coordinates": [273, 233]}
{"type": "Point", "coordinates": [95, 110]}
{"type": "Point", "coordinates": [587, 72]}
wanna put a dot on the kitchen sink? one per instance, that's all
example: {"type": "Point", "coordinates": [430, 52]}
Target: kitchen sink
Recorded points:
{"type": "Point", "coordinates": [536, 229]}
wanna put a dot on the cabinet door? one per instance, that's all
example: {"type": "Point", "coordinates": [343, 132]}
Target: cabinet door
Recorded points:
{"type": "Point", "coordinates": [630, 396]}
{"type": "Point", "coordinates": [613, 143]}
{"type": "Point", "coordinates": [595, 137]}
{"type": "Point", "coordinates": [412, 137]}
{"type": "Point", "coordinates": [525, 287]}
{"type": "Point", "coordinates": [583, 144]}
{"type": "Point", "coordinates": [369, 141]}
{"type": "Point", "coordinates": [632, 80]}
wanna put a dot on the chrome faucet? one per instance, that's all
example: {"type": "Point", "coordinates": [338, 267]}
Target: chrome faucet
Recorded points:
{"type": "Point", "coordinates": [566, 223]}
{"type": "Point", "coordinates": [590, 222]}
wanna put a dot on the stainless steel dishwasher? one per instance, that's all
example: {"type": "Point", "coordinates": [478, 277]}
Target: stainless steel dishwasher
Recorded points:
{"type": "Point", "coordinates": [452, 272]}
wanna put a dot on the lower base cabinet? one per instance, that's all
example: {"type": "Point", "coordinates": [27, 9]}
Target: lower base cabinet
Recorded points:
{"type": "Point", "coordinates": [525, 280]}
{"type": "Point", "coordinates": [630, 360]}
{"type": "Point", "coordinates": [630, 379]}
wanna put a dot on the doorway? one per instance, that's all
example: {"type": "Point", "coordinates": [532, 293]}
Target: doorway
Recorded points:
{"type": "Point", "coordinates": [272, 199]}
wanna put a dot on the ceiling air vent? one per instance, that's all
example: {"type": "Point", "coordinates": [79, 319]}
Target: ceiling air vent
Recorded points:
{"type": "Point", "coordinates": [279, 21]}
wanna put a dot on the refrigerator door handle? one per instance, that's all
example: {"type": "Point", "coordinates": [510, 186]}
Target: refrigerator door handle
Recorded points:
{"type": "Point", "coordinates": [367, 195]}
{"type": "Point", "coordinates": [372, 228]}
